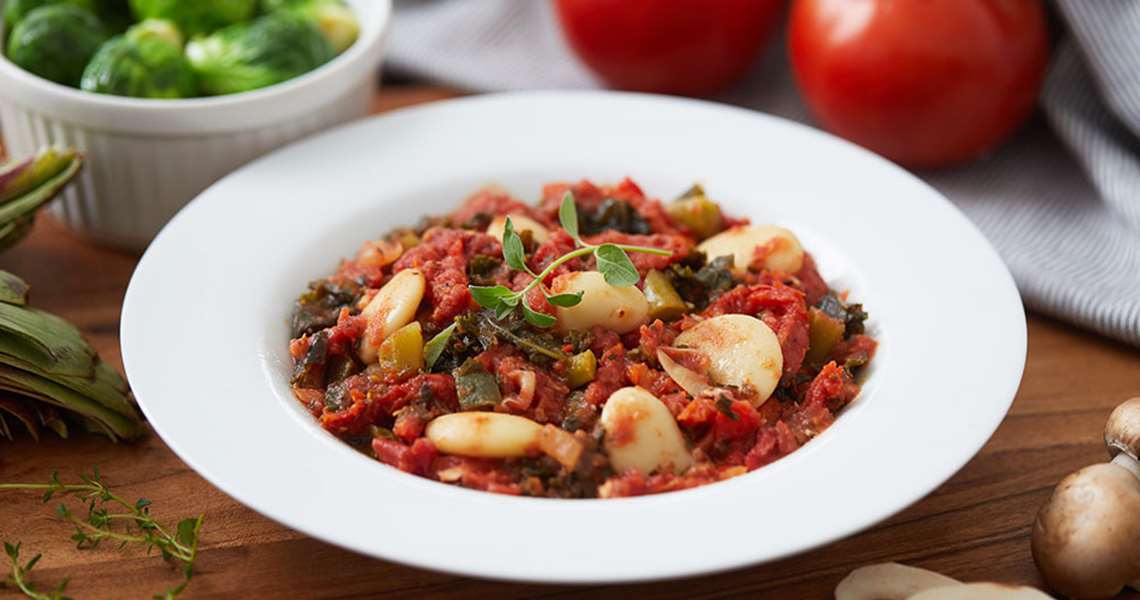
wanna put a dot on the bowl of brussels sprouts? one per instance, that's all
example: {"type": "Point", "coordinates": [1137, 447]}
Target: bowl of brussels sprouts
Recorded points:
{"type": "Point", "coordinates": [165, 97]}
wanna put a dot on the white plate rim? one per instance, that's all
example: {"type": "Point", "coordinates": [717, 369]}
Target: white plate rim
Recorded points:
{"type": "Point", "coordinates": [643, 550]}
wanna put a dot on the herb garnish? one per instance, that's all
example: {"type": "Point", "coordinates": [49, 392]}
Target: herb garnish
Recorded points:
{"type": "Point", "coordinates": [613, 263]}
{"type": "Point", "coordinates": [436, 345]}
{"type": "Point", "coordinates": [105, 510]}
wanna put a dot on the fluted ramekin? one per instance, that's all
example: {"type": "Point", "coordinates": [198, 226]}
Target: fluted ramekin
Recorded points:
{"type": "Point", "coordinates": [148, 158]}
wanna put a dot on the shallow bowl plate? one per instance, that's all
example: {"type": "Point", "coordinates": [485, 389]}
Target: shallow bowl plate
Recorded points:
{"type": "Point", "coordinates": [204, 332]}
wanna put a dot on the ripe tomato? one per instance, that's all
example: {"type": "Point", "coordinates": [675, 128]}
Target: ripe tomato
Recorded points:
{"type": "Point", "coordinates": [923, 82]}
{"type": "Point", "coordinates": [690, 47]}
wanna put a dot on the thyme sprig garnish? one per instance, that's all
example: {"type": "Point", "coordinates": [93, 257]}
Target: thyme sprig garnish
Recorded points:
{"type": "Point", "coordinates": [613, 264]}
{"type": "Point", "coordinates": [108, 517]}
{"type": "Point", "coordinates": [19, 578]}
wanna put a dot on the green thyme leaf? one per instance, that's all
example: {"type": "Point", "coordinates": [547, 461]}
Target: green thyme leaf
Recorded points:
{"type": "Point", "coordinates": [536, 318]}
{"type": "Point", "coordinates": [565, 300]}
{"type": "Point", "coordinates": [615, 266]}
{"type": "Point", "coordinates": [513, 251]}
{"type": "Point", "coordinates": [489, 296]}
{"type": "Point", "coordinates": [436, 345]}
{"type": "Point", "coordinates": [568, 215]}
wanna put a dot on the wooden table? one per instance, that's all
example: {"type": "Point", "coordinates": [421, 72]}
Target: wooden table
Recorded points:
{"type": "Point", "coordinates": [975, 527]}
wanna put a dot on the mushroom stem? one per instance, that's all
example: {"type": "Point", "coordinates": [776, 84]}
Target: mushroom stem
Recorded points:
{"type": "Point", "coordinates": [1127, 463]}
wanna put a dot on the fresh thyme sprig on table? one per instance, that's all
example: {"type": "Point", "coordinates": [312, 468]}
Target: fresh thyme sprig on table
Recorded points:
{"type": "Point", "coordinates": [105, 510]}
{"type": "Point", "coordinates": [613, 264]}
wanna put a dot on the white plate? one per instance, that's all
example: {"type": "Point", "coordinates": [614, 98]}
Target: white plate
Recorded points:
{"type": "Point", "coordinates": [204, 332]}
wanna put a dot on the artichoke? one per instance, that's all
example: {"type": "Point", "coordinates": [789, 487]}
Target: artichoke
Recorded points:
{"type": "Point", "coordinates": [49, 374]}
{"type": "Point", "coordinates": [26, 185]}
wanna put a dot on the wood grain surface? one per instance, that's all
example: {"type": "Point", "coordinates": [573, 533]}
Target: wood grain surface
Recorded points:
{"type": "Point", "coordinates": [975, 527]}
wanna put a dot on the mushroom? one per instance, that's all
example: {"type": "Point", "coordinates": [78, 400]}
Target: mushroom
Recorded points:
{"type": "Point", "coordinates": [889, 581]}
{"type": "Point", "coordinates": [892, 581]}
{"type": "Point", "coordinates": [981, 591]}
{"type": "Point", "coordinates": [1086, 540]}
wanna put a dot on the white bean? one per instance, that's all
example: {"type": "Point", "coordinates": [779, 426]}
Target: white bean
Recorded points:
{"type": "Point", "coordinates": [786, 255]}
{"type": "Point", "coordinates": [520, 223]}
{"type": "Point", "coordinates": [642, 434]}
{"type": "Point", "coordinates": [390, 309]}
{"type": "Point", "coordinates": [742, 351]}
{"type": "Point", "coordinates": [620, 309]}
{"type": "Point", "coordinates": [484, 434]}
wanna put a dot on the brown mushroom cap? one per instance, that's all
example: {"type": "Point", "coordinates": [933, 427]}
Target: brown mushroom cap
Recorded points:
{"type": "Point", "coordinates": [1122, 431]}
{"type": "Point", "coordinates": [1085, 539]}
{"type": "Point", "coordinates": [981, 591]}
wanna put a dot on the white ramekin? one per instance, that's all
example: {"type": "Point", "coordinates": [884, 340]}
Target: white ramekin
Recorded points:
{"type": "Point", "coordinates": [148, 158]}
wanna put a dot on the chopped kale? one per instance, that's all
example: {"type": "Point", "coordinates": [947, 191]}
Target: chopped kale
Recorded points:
{"type": "Point", "coordinates": [319, 307]}
{"type": "Point", "coordinates": [310, 370]}
{"type": "Point", "coordinates": [477, 389]}
{"type": "Point", "coordinates": [851, 315]}
{"type": "Point", "coordinates": [481, 269]}
{"type": "Point", "coordinates": [613, 214]}
{"type": "Point", "coordinates": [699, 283]}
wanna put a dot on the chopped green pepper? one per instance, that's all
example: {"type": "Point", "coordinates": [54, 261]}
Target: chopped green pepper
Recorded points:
{"type": "Point", "coordinates": [664, 301]}
{"type": "Point", "coordinates": [477, 389]}
{"type": "Point", "coordinates": [402, 353]}
{"type": "Point", "coordinates": [581, 368]}
{"type": "Point", "coordinates": [825, 332]}
{"type": "Point", "coordinates": [695, 211]}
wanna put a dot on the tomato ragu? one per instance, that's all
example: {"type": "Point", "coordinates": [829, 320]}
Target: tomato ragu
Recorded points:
{"type": "Point", "coordinates": [598, 344]}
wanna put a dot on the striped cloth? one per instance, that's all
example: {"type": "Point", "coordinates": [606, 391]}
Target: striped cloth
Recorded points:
{"type": "Point", "coordinates": [1060, 201]}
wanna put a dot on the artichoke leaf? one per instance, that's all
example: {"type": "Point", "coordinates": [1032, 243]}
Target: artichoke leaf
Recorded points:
{"type": "Point", "coordinates": [53, 337]}
{"type": "Point", "coordinates": [13, 290]}
{"type": "Point", "coordinates": [30, 200]}
{"type": "Point", "coordinates": [23, 413]}
{"type": "Point", "coordinates": [50, 418]}
{"type": "Point", "coordinates": [117, 425]}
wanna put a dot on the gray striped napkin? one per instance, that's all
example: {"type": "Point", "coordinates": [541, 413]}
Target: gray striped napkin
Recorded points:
{"type": "Point", "coordinates": [1061, 201]}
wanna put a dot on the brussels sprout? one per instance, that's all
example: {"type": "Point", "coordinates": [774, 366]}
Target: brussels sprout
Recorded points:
{"type": "Point", "coordinates": [333, 17]}
{"type": "Point", "coordinates": [55, 42]}
{"type": "Point", "coordinates": [196, 17]}
{"type": "Point", "coordinates": [16, 10]}
{"type": "Point", "coordinates": [248, 56]}
{"type": "Point", "coordinates": [142, 68]}
{"type": "Point", "coordinates": [115, 14]}
{"type": "Point", "coordinates": [157, 29]}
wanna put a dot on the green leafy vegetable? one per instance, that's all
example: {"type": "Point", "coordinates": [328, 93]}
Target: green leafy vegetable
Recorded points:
{"type": "Point", "coordinates": [56, 42]}
{"type": "Point", "coordinates": [614, 214]}
{"type": "Point", "coordinates": [332, 17]}
{"type": "Point", "coordinates": [196, 17]}
{"type": "Point", "coordinates": [144, 67]}
{"type": "Point", "coordinates": [107, 517]}
{"type": "Point", "coordinates": [476, 388]}
{"type": "Point", "coordinates": [247, 56]}
{"type": "Point", "coordinates": [612, 262]}
{"type": "Point", "coordinates": [434, 348]}
{"type": "Point", "coordinates": [16, 10]}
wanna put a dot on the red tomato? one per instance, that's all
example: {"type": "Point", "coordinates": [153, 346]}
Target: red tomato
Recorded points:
{"type": "Point", "coordinates": [923, 82]}
{"type": "Point", "coordinates": [689, 47]}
